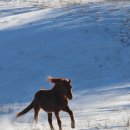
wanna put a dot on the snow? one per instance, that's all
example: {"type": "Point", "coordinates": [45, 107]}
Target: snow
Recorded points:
{"type": "Point", "coordinates": [87, 41]}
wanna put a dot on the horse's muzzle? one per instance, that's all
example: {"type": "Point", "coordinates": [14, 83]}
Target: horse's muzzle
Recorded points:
{"type": "Point", "coordinates": [70, 97]}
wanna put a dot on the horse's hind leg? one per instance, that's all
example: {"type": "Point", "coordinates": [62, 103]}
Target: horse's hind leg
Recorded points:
{"type": "Point", "coordinates": [67, 109]}
{"type": "Point", "coordinates": [50, 121]}
{"type": "Point", "coordinates": [58, 120]}
{"type": "Point", "coordinates": [36, 112]}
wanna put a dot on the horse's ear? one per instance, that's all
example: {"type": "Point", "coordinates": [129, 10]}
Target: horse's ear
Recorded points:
{"type": "Point", "coordinates": [70, 81]}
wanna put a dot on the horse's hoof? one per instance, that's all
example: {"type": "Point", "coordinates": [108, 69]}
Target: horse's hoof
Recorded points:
{"type": "Point", "coordinates": [73, 125]}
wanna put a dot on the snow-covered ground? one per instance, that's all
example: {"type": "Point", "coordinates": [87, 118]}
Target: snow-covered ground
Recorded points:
{"type": "Point", "coordinates": [87, 41]}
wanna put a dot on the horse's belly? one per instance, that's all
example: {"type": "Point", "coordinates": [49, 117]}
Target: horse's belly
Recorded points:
{"type": "Point", "coordinates": [50, 108]}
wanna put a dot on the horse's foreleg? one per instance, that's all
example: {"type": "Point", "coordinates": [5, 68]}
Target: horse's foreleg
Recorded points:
{"type": "Point", "coordinates": [50, 121]}
{"type": "Point", "coordinates": [58, 120]}
{"type": "Point", "coordinates": [67, 109]}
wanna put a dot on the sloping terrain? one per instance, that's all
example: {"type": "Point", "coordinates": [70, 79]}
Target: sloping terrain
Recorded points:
{"type": "Point", "coordinates": [88, 42]}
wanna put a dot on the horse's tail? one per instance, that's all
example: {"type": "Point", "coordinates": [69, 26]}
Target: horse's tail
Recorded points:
{"type": "Point", "coordinates": [28, 108]}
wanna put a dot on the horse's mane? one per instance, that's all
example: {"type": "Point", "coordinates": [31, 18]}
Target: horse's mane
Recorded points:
{"type": "Point", "coordinates": [54, 80]}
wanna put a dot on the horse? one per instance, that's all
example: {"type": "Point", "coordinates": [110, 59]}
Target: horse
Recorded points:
{"type": "Point", "coordinates": [52, 101]}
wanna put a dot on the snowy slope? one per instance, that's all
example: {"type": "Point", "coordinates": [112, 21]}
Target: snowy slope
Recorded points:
{"type": "Point", "coordinates": [87, 42]}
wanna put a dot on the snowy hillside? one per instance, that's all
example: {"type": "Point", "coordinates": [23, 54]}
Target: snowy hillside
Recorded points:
{"type": "Point", "coordinates": [87, 41]}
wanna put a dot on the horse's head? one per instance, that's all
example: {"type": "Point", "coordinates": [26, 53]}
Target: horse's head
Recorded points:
{"type": "Point", "coordinates": [63, 86]}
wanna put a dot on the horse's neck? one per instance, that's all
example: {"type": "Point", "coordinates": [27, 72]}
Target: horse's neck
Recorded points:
{"type": "Point", "coordinates": [55, 89]}
{"type": "Point", "coordinates": [57, 92]}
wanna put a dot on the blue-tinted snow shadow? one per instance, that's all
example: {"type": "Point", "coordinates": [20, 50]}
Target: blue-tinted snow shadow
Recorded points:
{"type": "Point", "coordinates": [73, 16]}
{"type": "Point", "coordinates": [112, 109]}
{"type": "Point", "coordinates": [35, 45]}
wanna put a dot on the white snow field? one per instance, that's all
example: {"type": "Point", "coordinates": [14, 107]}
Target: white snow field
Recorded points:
{"type": "Point", "coordinates": [85, 40]}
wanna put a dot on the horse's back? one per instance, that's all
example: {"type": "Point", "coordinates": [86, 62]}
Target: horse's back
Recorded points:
{"type": "Point", "coordinates": [45, 99]}
{"type": "Point", "coordinates": [43, 94]}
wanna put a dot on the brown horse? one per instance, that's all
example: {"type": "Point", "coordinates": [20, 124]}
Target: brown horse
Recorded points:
{"type": "Point", "coordinates": [54, 100]}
